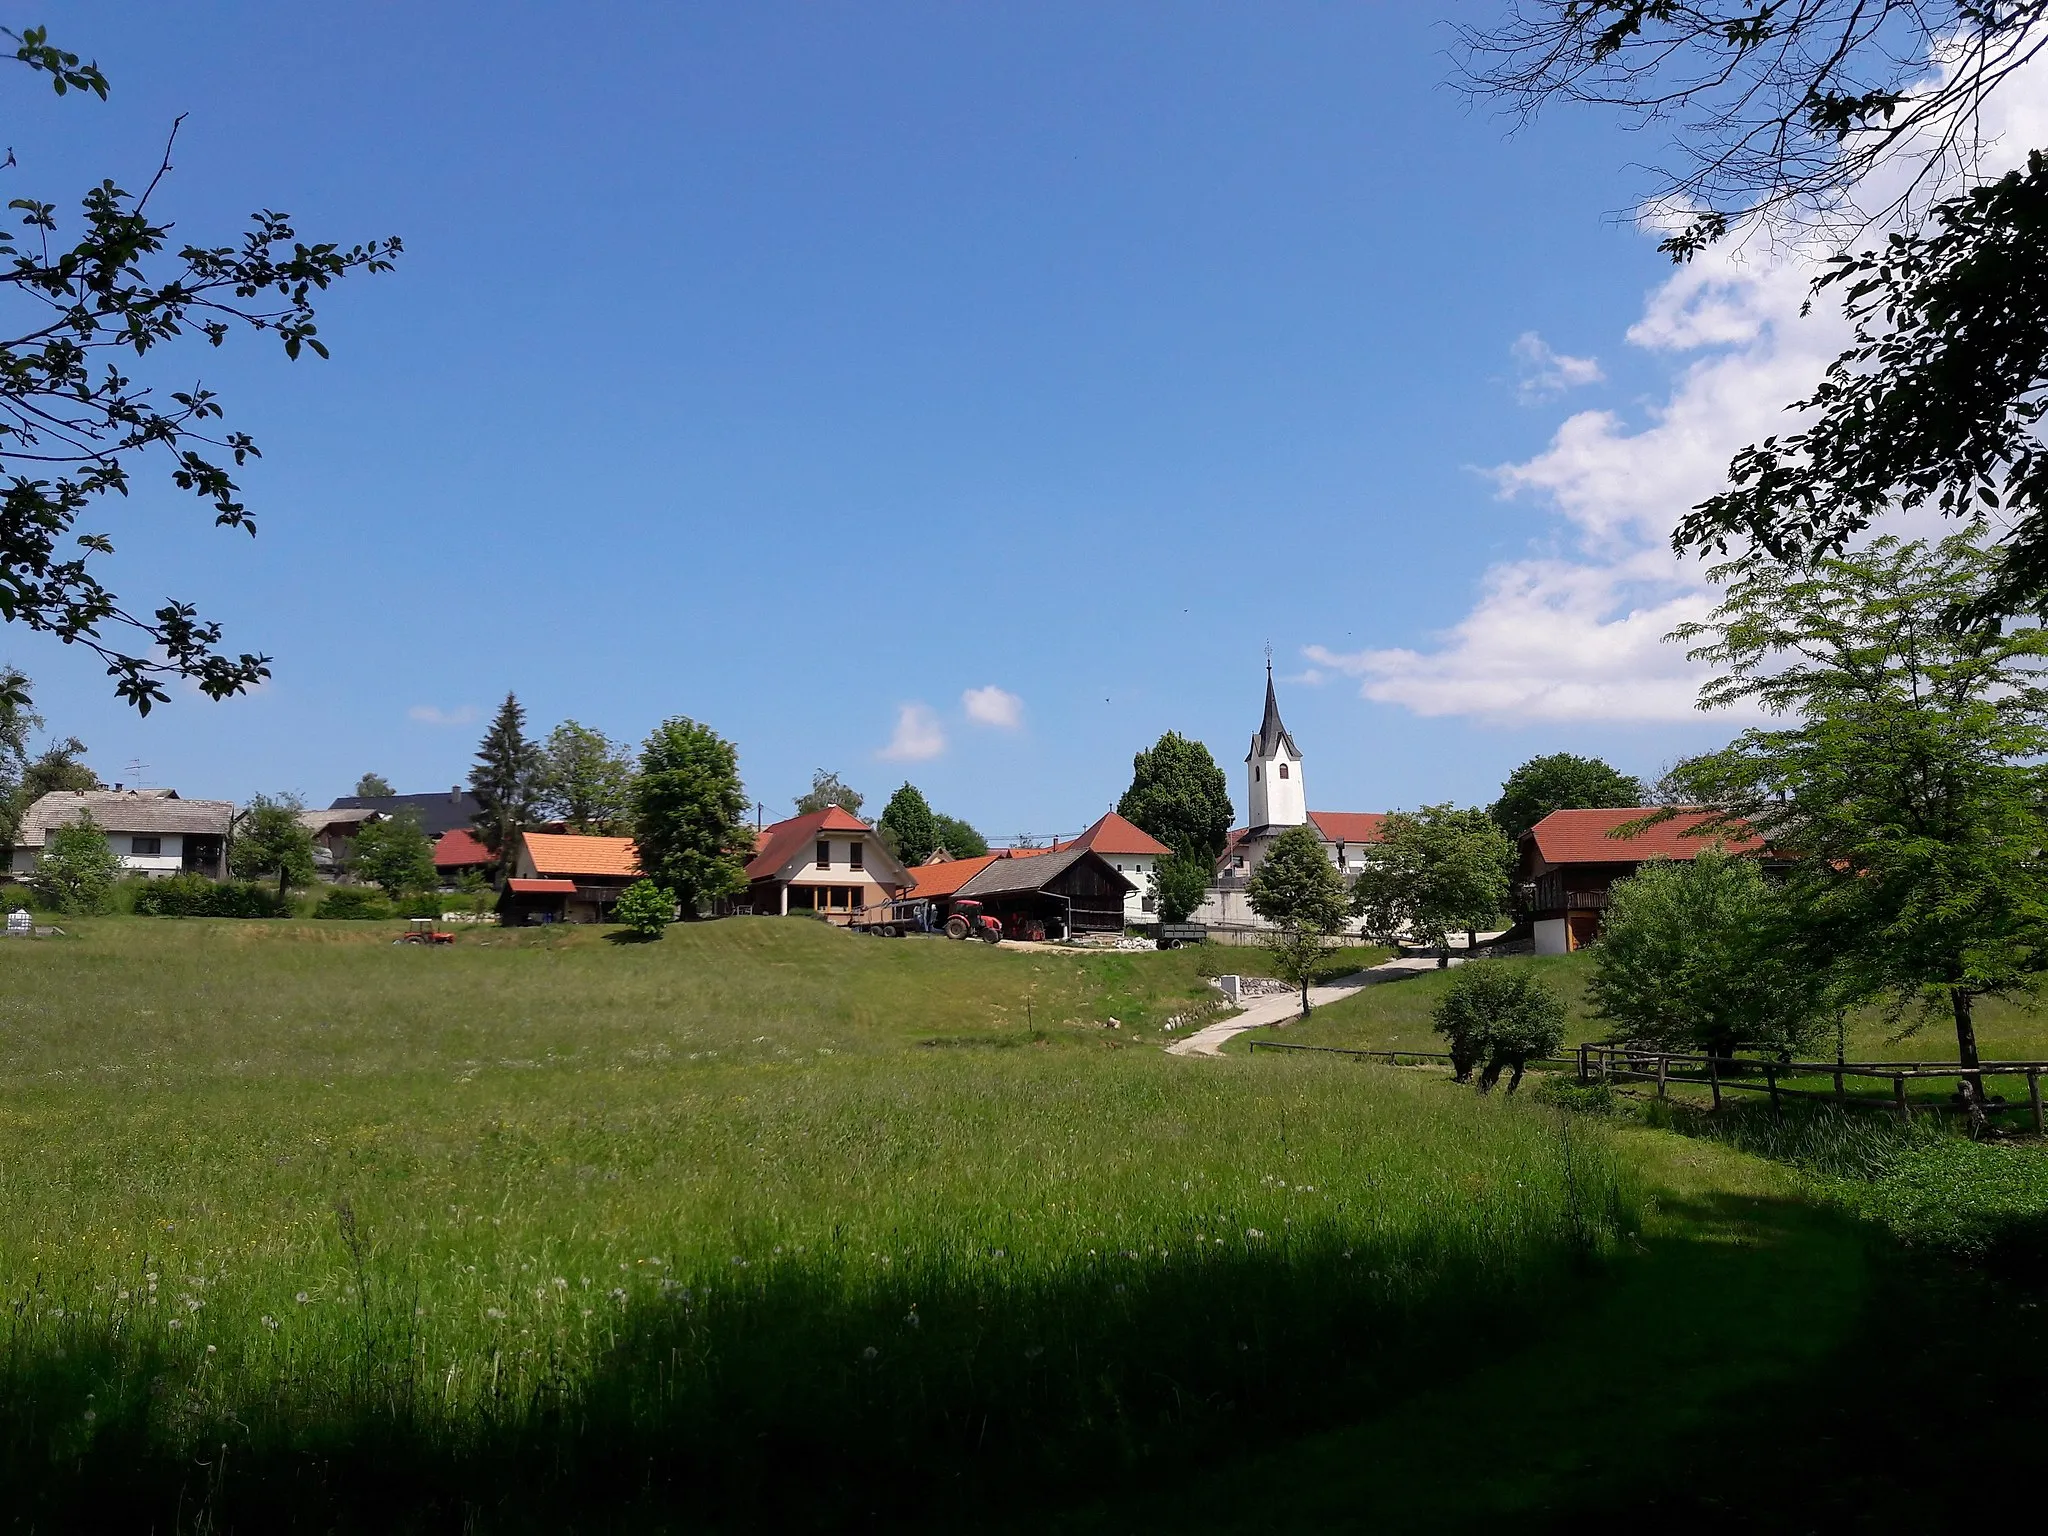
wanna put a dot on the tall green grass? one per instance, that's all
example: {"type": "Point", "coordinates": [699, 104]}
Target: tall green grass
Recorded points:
{"type": "Point", "coordinates": [342, 1244]}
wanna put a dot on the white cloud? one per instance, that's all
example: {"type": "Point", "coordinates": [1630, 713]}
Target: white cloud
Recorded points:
{"type": "Point", "coordinates": [1574, 632]}
{"type": "Point", "coordinates": [993, 706]}
{"type": "Point", "coordinates": [918, 735]}
{"type": "Point", "coordinates": [430, 714]}
{"type": "Point", "coordinates": [1546, 373]}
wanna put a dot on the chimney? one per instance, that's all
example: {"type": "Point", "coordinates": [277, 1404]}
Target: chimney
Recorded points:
{"type": "Point", "coordinates": [117, 789]}
{"type": "Point", "coordinates": [455, 794]}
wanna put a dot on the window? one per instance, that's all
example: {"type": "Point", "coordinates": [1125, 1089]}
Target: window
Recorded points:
{"type": "Point", "coordinates": [1150, 904]}
{"type": "Point", "coordinates": [1283, 770]}
{"type": "Point", "coordinates": [824, 854]}
{"type": "Point", "coordinates": [854, 855]}
{"type": "Point", "coordinates": [1255, 773]}
{"type": "Point", "coordinates": [146, 847]}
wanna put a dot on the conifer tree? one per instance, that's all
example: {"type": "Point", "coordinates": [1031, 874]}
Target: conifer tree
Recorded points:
{"type": "Point", "coordinates": [506, 780]}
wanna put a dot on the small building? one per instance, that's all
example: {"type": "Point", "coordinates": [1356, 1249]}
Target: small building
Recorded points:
{"type": "Point", "coordinates": [436, 813]}
{"type": "Point", "coordinates": [1568, 863]}
{"type": "Point", "coordinates": [154, 832]}
{"type": "Point", "coordinates": [563, 878]}
{"type": "Point", "coordinates": [1133, 853]}
{"type": "Point", "coordinates": [828, 864]}
{"type": "Point", "coordinates": [458, 853]}
{"type": "Point", "coordinates": [334, 834]}
{"type": "Point", "coordinates": [1041, 893]}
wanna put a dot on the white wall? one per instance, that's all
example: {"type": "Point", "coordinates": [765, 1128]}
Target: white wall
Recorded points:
{"type": "Point", "coordinates": [841, 872]}
{"type": "Point", "coordinates": [1136, 868]}
{"type": "Point", "coordinates": [169, 860]}
{"type": "Point", "coordinates": [1270, 799]}
{"type": "Point", "coordinates": [1552, 937]}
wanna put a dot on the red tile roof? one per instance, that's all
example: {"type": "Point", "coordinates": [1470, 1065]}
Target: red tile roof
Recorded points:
{"type": "Point", "coordinates": [1348, 826]}
{"type": "Point", "coordinates": [1114, 835]}
{"type": "Point", "coordinates": [777, 844]}
{"type": "Point", "coordinates": [937, 880]}
{"type": "Point", "coordinates": [558, 854]}
{"type": "Point", "coordinates": [543, 887]}
{"type": "Point", "coordinates": [1580, 837]}
{"type": "Point", "coordinates": [459, 849]}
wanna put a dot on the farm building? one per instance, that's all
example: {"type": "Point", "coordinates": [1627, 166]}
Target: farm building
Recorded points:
{"type": "Point", "coordinates": [1569, 861]}
{"type": "Point", "coordinates": [828, 863]}
{"type": "Point", "coordinates": [1134, 854]}
{"type": "Point", "coordinates": [559, 878]}
{"type": "Point", "coordinates": [153, 831]}
{"type": "Point", "coordinates": [1047, 893]}
{"type": "Point", "coordinates": [457, 853]}
{"type": "Point", "coordinates": [334, 833]}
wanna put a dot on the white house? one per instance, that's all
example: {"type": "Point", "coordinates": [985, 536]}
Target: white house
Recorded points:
{"type": "Point", "coordinates": [1276, 798]}
{"type": "Point", "coordinates": [152, 831]}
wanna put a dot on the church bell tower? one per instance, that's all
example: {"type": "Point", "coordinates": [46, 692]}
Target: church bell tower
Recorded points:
{"type": "Point", "coordinates": [1273, 792]}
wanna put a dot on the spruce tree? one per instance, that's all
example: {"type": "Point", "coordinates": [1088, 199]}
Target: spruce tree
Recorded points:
{"type": "Point", "coordinates": [506, 781]}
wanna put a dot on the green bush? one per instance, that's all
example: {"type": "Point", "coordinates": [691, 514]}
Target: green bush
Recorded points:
{"type": "Point", "coordinates": [645, 909]}
{"type": "Point", "coordinates": [1499, 1014]}
{"type": "Point", "coordinates": [197, 896]}
{"type": "Point", "coordinates": [77, 869]}
{"type": "Point", "coordinates": [353, 901]}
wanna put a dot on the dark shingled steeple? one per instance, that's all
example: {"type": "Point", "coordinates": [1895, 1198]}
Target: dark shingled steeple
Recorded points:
{"type": "Point", "coordinates": [1271, 731]}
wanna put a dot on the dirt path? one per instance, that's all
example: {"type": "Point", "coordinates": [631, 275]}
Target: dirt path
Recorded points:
{"type": "Point", "coordinates": [1208, 1041]}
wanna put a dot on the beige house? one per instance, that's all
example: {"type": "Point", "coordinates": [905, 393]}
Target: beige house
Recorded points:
{"type": "Point", "coordinates": [829, 863]}
{"type": "Point", "coordinates": [152, 831]}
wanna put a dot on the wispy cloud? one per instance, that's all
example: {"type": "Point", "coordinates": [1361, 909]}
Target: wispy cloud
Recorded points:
{"type": "Point", "coordinates": [993, 706]}
{"type": "Point", "coordinates": [918, 738]}
{"type": "Point", "coordinates": [1545, 373]}
{"type": "Point", "coordinates": [433, 714]}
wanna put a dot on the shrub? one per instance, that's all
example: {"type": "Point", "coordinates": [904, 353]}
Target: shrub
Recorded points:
{"type": "Point", "coordinates": [396, 856]}
{"type": "Point", "coordinates": [197, 896]}
{"type": "Point", "coordinates": [1501, 1014]}
{"type": "Point", "coordinates": [353, 901]}
{"type": "Point", "coordinates": [645, 909]}
{"type": "Point", "coordinates": [77, 869]}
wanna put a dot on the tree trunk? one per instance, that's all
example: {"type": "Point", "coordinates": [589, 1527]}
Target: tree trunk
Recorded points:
{"type": "Point", "coordinates": [1966, 1040]}
{"type": "Point", "coordinates": [1305, 1010]}
{"type": "Point", "coordinates": [283, 878]}
{"type": "Point", "coordinates": [1443, 958]}
{"type": "Point", "coordinates": [1471, 941]}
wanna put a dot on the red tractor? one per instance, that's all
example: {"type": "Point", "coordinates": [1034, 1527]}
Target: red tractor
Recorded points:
{"type": "Point", "coordinates": [968, 921]}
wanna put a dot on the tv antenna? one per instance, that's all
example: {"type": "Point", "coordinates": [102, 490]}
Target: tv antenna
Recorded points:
{"type": "Point", "coordinates": [135, 770]}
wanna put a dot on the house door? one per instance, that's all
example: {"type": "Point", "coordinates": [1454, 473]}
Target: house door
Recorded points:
{"type": "Point", "coordinates": [1582, 927]}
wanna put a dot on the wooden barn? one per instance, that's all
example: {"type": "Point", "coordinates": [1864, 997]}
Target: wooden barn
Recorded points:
{"type": "Point", "coordinates": [1050, 895]}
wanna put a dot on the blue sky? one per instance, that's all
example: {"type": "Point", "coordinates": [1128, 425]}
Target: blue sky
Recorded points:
{"type": "Point", "coordinates": [791, 366]}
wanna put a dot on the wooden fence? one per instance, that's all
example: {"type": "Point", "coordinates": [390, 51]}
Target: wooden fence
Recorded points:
{"type": "Point", "coordinates": [1623, 1063]}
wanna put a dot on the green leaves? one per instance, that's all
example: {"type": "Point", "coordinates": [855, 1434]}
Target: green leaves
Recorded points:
{"type": "Point", "coordinates": [68, 414]}
{"type": "Point", "coordinates": [689, 814]}
{"type": "Point", "coordinates": [1179, 796]}
{"type": "Point", "coordinates": [1433, 871]}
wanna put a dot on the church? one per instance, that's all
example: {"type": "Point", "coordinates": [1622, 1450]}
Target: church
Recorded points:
{"type": "Point", "coordinates": [1275, 800]}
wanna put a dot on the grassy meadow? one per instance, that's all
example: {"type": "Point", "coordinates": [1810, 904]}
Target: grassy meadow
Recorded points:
{"type": "Point", "coordinates": [302, 1229]}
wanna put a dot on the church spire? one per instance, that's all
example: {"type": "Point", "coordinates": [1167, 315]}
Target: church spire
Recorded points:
{"type": "Point", "coordinates": [1271, 731]}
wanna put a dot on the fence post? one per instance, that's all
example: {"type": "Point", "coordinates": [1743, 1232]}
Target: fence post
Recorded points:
{"type": "Point", "coordinates": [2034, 1099]}
{"type": "Point", "coordinates": [1899, 1098]}
{"type": "Point", "coordinates": [1583, 1073]}
{"type": "Point", "coordinates": [1714, 1078]}
{"type": "Point", "coordinates": [1771, 1077]}
{"type": "Point", "coordinates": [1663, 1065]}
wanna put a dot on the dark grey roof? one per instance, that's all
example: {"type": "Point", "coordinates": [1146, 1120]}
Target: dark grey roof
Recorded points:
{"type": "Point", "coordinates": [437, 813]}
{"type": "Point", "coordinates": [1006, 877]}
{"type": "Point", "coordinates": [1271, 731]}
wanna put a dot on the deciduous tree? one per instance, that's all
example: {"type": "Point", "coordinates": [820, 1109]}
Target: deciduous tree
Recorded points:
{"type": "Point", "coordinates": [1560, 781]}
{"type": "Point", "coordinates": [373, 786]}
{"type": "Point", "coordinates": [908, 824]}
{"type": "Point", "coordinates": [75, 426]}
{"type": "Point", "coordinates": [1908, 788]}
{"type": "Point", "coordinates": [1179, 795]}
{"type": "Point", "coordinates": [645, 909]}
{"type": "Point", "coordinates": [689, 812]}
{"type": "Point", "coordinates": [395, 855]}
{"type": "Point", "coordinates": [271, 840]}
{"type": "Point", "coordinates": [1431, 872]}
{"type": "Point", "coordinates": [1501, 1014]}
{"type": "Point", "coordinates": [585, 779]}
{"type": "Point", "coordinates": [1298, 890]}
{"type": "Point", "coordinates": [77, 868]}
{"type": "Point", "coordinates": [829, 789]}
{"type": "Point", "coordinates": [1179, 884]}
{"type": "Point", "coordinates": [957, 837]}
{"type": "Point", "coordinates": [1705, 956]}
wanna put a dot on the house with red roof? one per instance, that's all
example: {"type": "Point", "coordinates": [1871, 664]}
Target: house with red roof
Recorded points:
{"type": "Point", "coordinates": [827, 864]}
{"type": "Point", "coordinates": [1569, 861]}
{"type": "Point", "coordinates": [457, 853]}
{"type": "Point", "coordinates": [1131, 852]}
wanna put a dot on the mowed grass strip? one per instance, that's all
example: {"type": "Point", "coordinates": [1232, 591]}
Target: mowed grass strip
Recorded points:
{"type": "Point", "coordinates": [362, 1228]}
